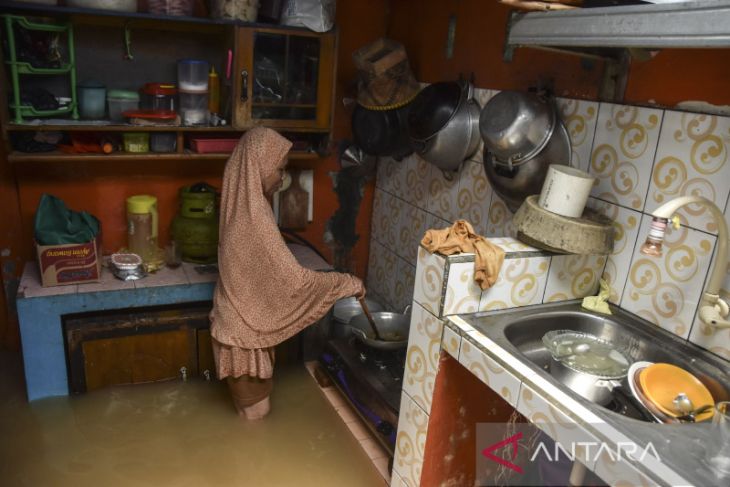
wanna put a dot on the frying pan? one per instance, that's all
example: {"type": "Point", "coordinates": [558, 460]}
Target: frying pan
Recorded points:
{"type": "Point", "coordinates": [393, 327]}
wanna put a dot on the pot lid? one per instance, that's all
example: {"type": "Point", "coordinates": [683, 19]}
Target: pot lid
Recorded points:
{"type": "Point", "coordinates": [587, 353]}
{"type": "Point", "coordinates": [432, 109]}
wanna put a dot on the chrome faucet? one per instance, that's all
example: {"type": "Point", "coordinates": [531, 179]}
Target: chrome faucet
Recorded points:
{"type": "Point", "coordinates": [713, 309]}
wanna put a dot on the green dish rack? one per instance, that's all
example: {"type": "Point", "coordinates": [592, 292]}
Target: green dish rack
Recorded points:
{"type": "Point", "coordinates": [17, 68]}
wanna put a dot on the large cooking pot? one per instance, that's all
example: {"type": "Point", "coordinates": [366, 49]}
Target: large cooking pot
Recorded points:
{"type": "Point", "coordinates": [513, 183]}
{"type": "Point", "coordinates": [591, 383]}
{"type": "Point", "coordinates": [392, 327]}
{"type": "Point", "coordinates": [444, 127]}
{"type": "Point", "coordinates": [382, 132]}
{"type": "Point", "coordinates": [516, 126]}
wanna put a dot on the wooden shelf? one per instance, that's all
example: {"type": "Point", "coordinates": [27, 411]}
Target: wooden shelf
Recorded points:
{"type": "Point", "coordinates": [24, 127]}
{"type": "Point", "coordinates": [21, 157]}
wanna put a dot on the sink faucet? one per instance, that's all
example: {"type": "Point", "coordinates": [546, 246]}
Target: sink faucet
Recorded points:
{"type": "Point", "coordinates": [713, 309]}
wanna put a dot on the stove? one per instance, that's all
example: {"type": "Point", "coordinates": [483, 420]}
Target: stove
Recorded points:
{"type": "Point", "coordinates": [372, 382]}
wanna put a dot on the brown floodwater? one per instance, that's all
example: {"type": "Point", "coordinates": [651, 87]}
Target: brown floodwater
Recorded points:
{"type": "Point", "coordinates": [175, 434]}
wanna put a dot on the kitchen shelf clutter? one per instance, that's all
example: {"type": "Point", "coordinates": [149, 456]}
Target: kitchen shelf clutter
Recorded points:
{"type": "Point", "coordinates": [21, 33]}
{"type": "Point", "coordinates": [270, 75]}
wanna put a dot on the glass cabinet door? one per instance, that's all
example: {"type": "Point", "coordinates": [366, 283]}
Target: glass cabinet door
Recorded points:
{"type": "Point", "coordinates": [285, 69]}
{"type": "Point", "coordinates": [286, 78]}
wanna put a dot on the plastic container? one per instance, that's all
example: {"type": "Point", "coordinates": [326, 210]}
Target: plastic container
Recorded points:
{"type": "Point", "coordinates": [206, 146]}
{"type": "Point", "coordinates": [159, 97]}
{"type": "Point", "coordinates": [192, 75]}
{"type": "Point", "coordinates": [245, 10]}
{"type": "Point", "coordinates": [163, 141]}
{"type": "Point", "coordinates": [92, 100]}
{"type": "Point", "coordinates": [120, 101]}
{"type": "Point", "coordinates": [194, 108]}
{"type": "Point", "coordinates": [142, 224]}
{"type": "Point", "coordinates": [171, 7]}
{"type": "Point", "coordinates": [136, 142]}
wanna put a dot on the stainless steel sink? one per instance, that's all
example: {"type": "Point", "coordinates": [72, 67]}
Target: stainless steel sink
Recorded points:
{"type": "Point", "coordinates": [523, 330]}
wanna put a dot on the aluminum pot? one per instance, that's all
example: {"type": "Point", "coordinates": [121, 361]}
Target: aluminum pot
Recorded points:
{"type": "Point", "coordinates": [393, 327]}
{"type": "Point", "coordinates": [513, 183]}
{"type": "Point", "coordinates": [595, 388]}
{"type": "Point", "coordinates": [516, 126]}
{"type": "Point", "coordinates": [456, 139]}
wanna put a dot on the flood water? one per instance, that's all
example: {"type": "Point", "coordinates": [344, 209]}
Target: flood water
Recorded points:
{"type": "Point", "coordinates": [175, 434]}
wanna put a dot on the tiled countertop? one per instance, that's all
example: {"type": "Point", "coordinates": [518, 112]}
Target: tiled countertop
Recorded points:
{"type": "Point", "coordinates": [680, 447]}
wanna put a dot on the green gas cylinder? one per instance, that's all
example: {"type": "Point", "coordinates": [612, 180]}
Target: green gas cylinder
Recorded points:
{"type": "Point", "coordinates": [195, 227]}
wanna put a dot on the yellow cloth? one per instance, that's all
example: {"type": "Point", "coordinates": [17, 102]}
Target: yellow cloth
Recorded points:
{"type": "Point", "coordinates": [460, 237]}
{"type": "Point", "coordinates": [599, 303]}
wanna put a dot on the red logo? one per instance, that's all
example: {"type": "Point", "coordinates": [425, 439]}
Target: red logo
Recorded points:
{"type": "Point", "coordinates": [487, 452]}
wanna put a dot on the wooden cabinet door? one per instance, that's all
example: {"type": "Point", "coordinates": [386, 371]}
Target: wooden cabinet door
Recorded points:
{"type": "Point", "coordinates": [285, 78]}
{"type": "Point", "coordinates": [136, 359]}
{"type": "Point", "coordinates": [205, 354]}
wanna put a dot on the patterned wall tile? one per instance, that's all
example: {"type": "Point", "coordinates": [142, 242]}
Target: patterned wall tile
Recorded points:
{"type": "Point", "coordinates": [512, 245]}
{"type": "Point", "coordinates": [436, 222]}
{"type": "Point", "coordinates": [443, 192]}
{"type": "Point", "coordinates": [692, 159]}
{"type": "Point", "coordinates": [451, 342]}
{"type": "Point", "coordinates": [665, 290]}
{"type": "Point", "coordinates": [411, 227]}
{"type": "Point", "coordinates": [623, 153]}
{"type": "Point", "coordinates": [499, 223]}
{"type": "Point", "coordinates": [380, 276]}
{"type": "Point", "coordinates": [378, 227]}
{"type": "Point", "coordinates": [397, 481]}
{"type": "Point", "coordinates": [626, 226]}
{"type": "Point", "coordinates": [429, 281]}
{"type": "Point", "coordinates": [462, 292]}
{"type": "Point", "coordinates": [403, 281]}
{"type": "Point", "coordinates": [422, 356]}
{"type": "Point", "coordinates": [393, 208]}
{"type": "Point", "coordinates": [410, 442]}
{"type": "Point", "coordinates": [417, 177]}
{"type": "Point", "coordinates": [474, 197]}
{"type": "Point", "coordinates": [391, 175]}
{"type": "Point", "coordinates": [490, 372]}
{"type": "Point", "coordinates": [556, 424]}
{"type": "Point", "coordinates": [579, 117]}
{"type": "Point", "coordinates": [715, 340]}
{"type": "Point", "coordinates": [573, 276]}
{"type": "Point", "coordinates": [521, 282]}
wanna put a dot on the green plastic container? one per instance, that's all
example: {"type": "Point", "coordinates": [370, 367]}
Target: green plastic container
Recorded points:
{"type": "Point", "coordinates": [195, 227]}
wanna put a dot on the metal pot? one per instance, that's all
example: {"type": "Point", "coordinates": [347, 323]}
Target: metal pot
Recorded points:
{"type": "Point", "coordinates": [390, 325]}
{"type": "Point", "coordinates": [515, 182]}
{"type": "Point", "coordinates": [382, 132]}
{"type": "Point", "coordinates": [592, 387]}
{"type": "Point", "coordinates": [453, 141]}
{"type": "Point", "coordinates": [516, 126]}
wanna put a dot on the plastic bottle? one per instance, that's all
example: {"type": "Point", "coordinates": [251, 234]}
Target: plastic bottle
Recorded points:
{"type": "Point", "coordinates": [213, 91]}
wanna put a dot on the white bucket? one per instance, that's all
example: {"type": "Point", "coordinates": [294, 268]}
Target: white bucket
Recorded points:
{"type": "Point", "coordinates": [565, 190]}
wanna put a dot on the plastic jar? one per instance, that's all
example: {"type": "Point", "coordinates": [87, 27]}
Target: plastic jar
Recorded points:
{"type": "Point", "coordinates": [245, 10]}
{"type": "Point", "coordinates": [163, 141]}
{"type": "Point", "coordinates": [192, 75]}
{"type": "Point", "coordinates": [136, 142]}
{"type": "Point", "coordinates": [92, 100]}
{"type": "Point", "coordinates": [194, 108]}
{"type": "Point", "coordinates": [159, 97]}
{"type": "Point", "coordinates": [171, 7]}
{"type": "Point", "coordinates": [121, 101]}
{"type": "Point", "coordinates": [142, 225]}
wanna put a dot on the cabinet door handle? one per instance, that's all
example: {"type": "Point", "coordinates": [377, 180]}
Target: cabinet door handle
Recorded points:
{"type": "Point", "coordinates": [244, 85]}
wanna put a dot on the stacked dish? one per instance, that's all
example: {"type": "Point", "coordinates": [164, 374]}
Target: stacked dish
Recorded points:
{"type": "Point", "coordinates": [656, 387]}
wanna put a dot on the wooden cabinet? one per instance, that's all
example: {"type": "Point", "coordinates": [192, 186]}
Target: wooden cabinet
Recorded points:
{"type": "Point", "coordinates": [137, 345]}
{"type": "Point", "coordinates": [284, 78]}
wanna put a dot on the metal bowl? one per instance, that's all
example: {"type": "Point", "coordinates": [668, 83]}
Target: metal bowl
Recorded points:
{"type": "Point", "coordinates": [516, 126]}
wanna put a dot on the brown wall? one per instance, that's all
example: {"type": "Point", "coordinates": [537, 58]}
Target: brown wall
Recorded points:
{"type": "Point", "coordinates": [102, 188]}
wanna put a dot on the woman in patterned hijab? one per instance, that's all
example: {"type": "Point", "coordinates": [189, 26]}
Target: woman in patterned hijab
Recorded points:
{"type": "Point", "coordinates": [263, 296]}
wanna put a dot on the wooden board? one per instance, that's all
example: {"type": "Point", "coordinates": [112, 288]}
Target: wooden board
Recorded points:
{"type": "Point", "coordinates": [293, 205]}
{"type": "Point", "coordinates": [593, 233]}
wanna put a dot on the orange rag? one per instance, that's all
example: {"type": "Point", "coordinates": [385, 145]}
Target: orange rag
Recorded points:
{"type": "Point", "coordinates": [460, 237]}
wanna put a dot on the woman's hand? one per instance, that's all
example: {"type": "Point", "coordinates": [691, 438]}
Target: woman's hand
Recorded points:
{"type": "Point", "coordinates": [360, 288]}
